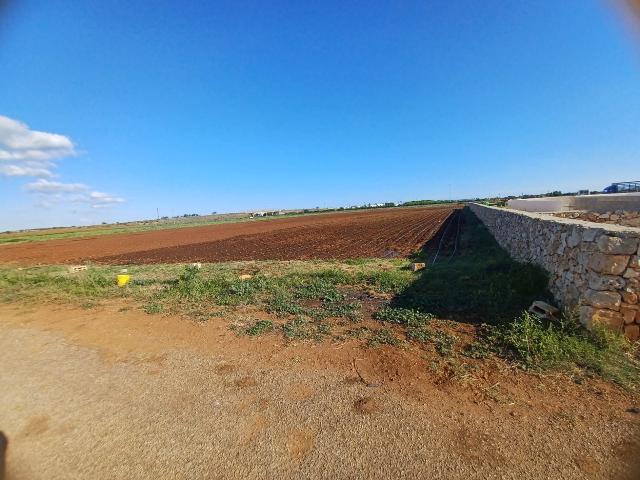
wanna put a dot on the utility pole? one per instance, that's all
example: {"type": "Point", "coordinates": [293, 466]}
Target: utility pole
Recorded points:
{"type": "Point", "coordinates": [158, 213]}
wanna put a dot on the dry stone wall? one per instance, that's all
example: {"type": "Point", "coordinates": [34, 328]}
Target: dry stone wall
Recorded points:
{"type": "Point", "coordinates": [592, 266]}
{"type": "Point", "coordinates": [618, 217]}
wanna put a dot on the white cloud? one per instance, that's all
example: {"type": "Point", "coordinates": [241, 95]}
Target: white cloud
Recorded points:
{"type": "Point", "coordinates": [102, 198]}
{"type": "Point", "coordinates": [18, 143]}
{"type": "Point", "coordinates": [46, 187]}
{"type": "Point", "coordinates": [102, 205]}
{"type": "Point", "coordinates": [99, 199]}
{"type": "Point", "coordinates": [25, 171]}
{"type": "Point", "coordinates": [31, 153]}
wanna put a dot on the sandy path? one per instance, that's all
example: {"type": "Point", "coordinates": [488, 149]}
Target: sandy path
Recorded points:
{"type": "Point", "coordinates": [161, 397]}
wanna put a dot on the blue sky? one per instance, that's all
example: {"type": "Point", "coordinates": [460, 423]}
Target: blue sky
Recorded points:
{"type": "Point", "coordinates": [229, 106]}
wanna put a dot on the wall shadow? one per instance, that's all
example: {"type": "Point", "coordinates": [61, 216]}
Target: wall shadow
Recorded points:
{"type": "Point", "coordinates": [473, 279]}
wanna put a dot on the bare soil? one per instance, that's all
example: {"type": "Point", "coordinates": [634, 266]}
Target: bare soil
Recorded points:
{"type": "Point", "coordinates": [373, 233]}
{"type": "Point", "coordinates": [111, 392]}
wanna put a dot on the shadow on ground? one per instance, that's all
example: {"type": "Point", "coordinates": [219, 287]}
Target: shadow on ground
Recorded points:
{"type": "Point", "coordinates": [472, 279]}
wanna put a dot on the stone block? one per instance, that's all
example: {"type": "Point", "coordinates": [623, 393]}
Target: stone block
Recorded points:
{"type": "Point", "coordinates": [590, 234]}
{"type": "Point", "coordinates": [414, 267]}
{"type": "Point", "coordinates": [628, 315]}
{"type": "Point", "coordinates": [545, 311]}
{"type": "Point", "coordinates": [629, 297]}
{"type": "Point", "coordinates": [608, 318]}
{"type": "Point", "coordinates": [633, 284]}
{"type": "Point", "coordinates": [605, 282]}
{"type": "Point", "coordinates": [617, 245]}
{"type": "Point", "coordinates": [574, 239]}
{"type": "Point", "coordinates": [631, 273]}
{"type": "Point", "coordinates": [599, 299]}
{"type": "Point", "coordinates": [608, 264]}
{"type": "Point", "coordinates": [76, 268]}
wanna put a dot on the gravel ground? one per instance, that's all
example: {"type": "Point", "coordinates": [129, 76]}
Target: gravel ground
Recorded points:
{"type": "Point", "coordinates": [73, 407]}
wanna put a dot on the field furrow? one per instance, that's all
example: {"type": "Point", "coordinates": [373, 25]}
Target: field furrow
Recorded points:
{"type": "Point", "coordinates": [395, 232]}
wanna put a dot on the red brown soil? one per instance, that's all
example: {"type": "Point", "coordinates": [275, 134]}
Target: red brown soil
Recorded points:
{"type": "Point", "coordinates": [372, 233]}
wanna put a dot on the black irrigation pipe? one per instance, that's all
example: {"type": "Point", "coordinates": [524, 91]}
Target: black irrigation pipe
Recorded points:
{"type": "Point", "coordinates": [455, 245]}
{"type": "Point", "coordinates": [444, 234]}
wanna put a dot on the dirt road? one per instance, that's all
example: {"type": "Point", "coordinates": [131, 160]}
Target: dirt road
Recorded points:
{"type": "Point", "coordinates": [114, 393]}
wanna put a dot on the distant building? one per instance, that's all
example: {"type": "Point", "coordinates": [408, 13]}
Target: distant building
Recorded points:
{"type": "Point", "coordinates": [270, 213]}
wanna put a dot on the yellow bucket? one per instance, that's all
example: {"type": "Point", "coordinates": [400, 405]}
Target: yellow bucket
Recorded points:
{"type": "Point", "coordinates": [123, 280]}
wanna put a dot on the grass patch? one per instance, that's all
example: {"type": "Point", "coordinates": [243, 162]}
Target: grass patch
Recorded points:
{"type": "Point", "coordinates": [152, 308]}
{"type": "Point", "coordinates": [419, 334]}
{"type": "Point", "coordinates": [338, 308]}
{"type": "Point", "coordinates": [317, 291]}
{"type": "Point", "coordinates": [403, 316]}
{"type": "Point", "coordinates": [563, 345]}
{"type": "Point", "coordinates": [444, 342]}
{"type": "Point", "coordinates": [31, 283]}
{"type": "Point", "coordinates": [282, 304]}
{"type": "Point", "coordinates": [359, 332]}
{"type": "Point", "coordinates": [303, 329]}
{"type": "Point", "coordinates": [382, 336]}
{"type": "Point", "coordinates": [259, 327]}
{"type": "Point", "coordinates": [387, 281]}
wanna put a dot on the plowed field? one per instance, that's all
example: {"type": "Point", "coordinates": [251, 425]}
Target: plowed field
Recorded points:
{"type": "Point", "coordinates": [373, 233]}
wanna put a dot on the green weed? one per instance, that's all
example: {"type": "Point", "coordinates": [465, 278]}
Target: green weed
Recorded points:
{"type": "Point", "coordinates": [341, 309]}
{"type": "Point", "coordinates": [358, 332]}
{"type": "Point", "coordinates": [282, 304]}
{"type": "Point", "coordinates": [152, 308]}
{"type": "Point", "coordinates": [387, 281]}
{"type": "Point", "coordinates": [259, 327]}
{"type": "Point", "coordinates": [302, 329]}
{"type": "Point", "coordinates": [444, 342]}
{"type": "Point", "coordinates": [564, 345]}
{"type": "Point", "coordinates": [419, 334]}
{"type": "Point", "coordinates": [403, 316]}
{"type": "Point", "coordinates": [382, 337]}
